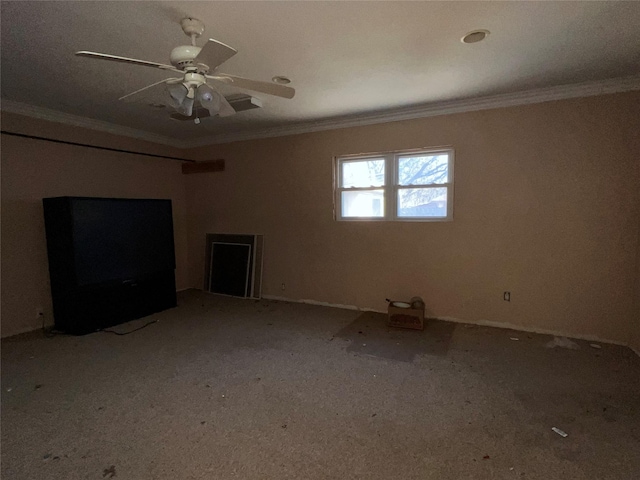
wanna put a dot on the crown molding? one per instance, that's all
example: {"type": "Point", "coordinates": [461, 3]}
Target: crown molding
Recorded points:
{"type": "Point", "coordinates": [527, 97]}
{"type": "Point", "coordinates": [84, 122]}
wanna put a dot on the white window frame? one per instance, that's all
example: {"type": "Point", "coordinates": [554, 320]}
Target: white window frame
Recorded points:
{"type": "Point", "coordinates": [391, 187]}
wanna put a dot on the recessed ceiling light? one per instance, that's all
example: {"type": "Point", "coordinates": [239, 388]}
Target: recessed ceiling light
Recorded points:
{"type": "Point", "coordinates": [281, 80]}
{"type": "Point", "coordinates": [475, 36]}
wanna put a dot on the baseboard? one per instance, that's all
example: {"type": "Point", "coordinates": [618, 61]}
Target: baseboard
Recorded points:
{"type": "Point", "coordinates": [228, 296]}
{"type": "Point", "coordinates": [320, 304]}
{"type": "Point", "coordinates": [484, 323]}
{"type": "Point", "coordinates": [541, 331]}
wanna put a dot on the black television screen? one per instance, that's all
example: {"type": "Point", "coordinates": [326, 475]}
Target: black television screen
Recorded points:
{"type": "Point", "coordinates": [119, 239]}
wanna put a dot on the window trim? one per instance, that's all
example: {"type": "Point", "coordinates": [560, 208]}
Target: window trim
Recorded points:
{"type": "Point", "coordinates": [391, 187]}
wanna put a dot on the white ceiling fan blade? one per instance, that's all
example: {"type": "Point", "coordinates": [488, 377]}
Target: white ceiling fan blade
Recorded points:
{"type": "Point", "coordinates": [255, 85]}
{"type": "Point", "coordinates": [132, 61]}
{"type": "Point", "coordinates": [215, 53]}
{"type": "Point", "coordinates": [225, 108]}
{"type": "Point", "coordinates": [147, 87]}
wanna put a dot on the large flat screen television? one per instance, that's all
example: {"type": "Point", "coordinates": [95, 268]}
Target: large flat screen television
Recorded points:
{"type": "Point", "coordinates": [118, 239]}
{"type": "Point", "coordinates": [110, 260]}
{"type": "Point", "coordinates": [97, 240]}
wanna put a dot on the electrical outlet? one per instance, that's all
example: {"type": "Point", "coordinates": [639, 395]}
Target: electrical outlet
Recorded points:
{"type": "Point", "coordinates": [282, 286]}
{"type": "Point", "coordinates": [507, 296]}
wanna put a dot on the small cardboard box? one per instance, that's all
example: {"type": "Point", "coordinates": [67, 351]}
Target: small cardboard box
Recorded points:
{"type": "Point", "coordinates": [406, 317]}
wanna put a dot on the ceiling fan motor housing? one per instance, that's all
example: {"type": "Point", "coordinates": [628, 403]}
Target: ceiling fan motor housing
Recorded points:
{"type": "Point", "coordinates": [184, 55]}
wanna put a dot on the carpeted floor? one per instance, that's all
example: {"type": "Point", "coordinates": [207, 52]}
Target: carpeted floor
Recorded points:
{"type": "Point", "coordinates": [222, 388]}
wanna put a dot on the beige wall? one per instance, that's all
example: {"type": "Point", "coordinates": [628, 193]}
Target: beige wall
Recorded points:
{"type": "Point", "coordinates": [546, 206]}
{"type": "Point", "coordinates": [33, 169]}
{"type": "Point", "coordinates": [634, 341]}
{"type": "Point", "coordinates": [635, 332]}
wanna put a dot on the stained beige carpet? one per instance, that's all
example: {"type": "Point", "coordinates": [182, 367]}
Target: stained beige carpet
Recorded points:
{"type": "Point", "coordinates": [222, 388]}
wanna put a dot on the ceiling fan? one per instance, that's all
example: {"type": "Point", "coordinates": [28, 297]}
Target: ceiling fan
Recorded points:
{"type": "Point", "coordinates": [196, 65]}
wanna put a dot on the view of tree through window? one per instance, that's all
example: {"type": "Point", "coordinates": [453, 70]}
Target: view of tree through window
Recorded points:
{"type": "Point", "coordinates": [363, 173]}
{"type": "Point", "coordinates": [423, 170]}
{"type": "Point", "coordinates": [396, 186]}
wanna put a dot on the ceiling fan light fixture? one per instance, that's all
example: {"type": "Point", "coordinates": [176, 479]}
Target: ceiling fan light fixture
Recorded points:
{"type": "Point", "coordinates": [186, 108]}
{"type": "Point", "coordinates": [209, 99]}
{"type": "Point", "coordinates": [475, 36]}
{"type": "Point", "coordinates": [178, 93]}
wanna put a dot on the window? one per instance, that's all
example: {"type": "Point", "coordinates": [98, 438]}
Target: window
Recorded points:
{"type": "Point", "coordinates": [403, 186]}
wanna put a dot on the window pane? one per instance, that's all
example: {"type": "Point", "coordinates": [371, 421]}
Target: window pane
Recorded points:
{"type": "Point", "coordinates": [363, 173]}
{"type": "Point", "coordinates": [422, 202]}
{"type": "Point", "coordinates": [423, 169]}
{"type": "Point", "coordinates": [363, 203]}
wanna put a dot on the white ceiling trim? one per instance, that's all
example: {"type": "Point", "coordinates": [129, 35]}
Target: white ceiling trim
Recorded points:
{"type": "Point", "coordinates": [561, 92]}
{"type": "Point", "coordinates": [84, 122]}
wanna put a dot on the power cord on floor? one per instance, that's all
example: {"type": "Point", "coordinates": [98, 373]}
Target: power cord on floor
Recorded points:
{"type": "Point", "coordinates": [56, 333]}
{"type": "Point", "coordinates": [52, 333]}
{"type": "Point", "coordinates": [131, 331]}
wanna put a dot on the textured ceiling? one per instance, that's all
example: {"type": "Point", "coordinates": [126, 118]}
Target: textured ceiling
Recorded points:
{"type": "Point", "coordinates": [344, 58]}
